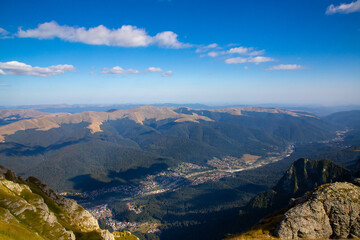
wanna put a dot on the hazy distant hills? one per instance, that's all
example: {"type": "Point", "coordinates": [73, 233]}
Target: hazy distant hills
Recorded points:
{"type": "Point", "coordinates": [349, 119]}
{"type": "Point", "coordinates": [78, 108]}
{"type": "Point", "coordinates": [8, 116]}
{"type": "Point", "coordinates": [70, 150]}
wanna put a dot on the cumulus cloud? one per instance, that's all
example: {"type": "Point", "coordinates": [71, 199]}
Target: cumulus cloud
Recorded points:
{"type": "Point", "coordinates": [286, 67]}
{"type": "Point", "coordinates": [19, 68]}
{"type": "Point", "coordinates": [167, 74]}
{"type": "Point", "coordinates": [126, 36]}
{"type": "Point", "coordinates": [256, 60]}
{"type": "Point", "coordinates": [168, 39]}
{"type": "Point", "coordinates": [344, 8]}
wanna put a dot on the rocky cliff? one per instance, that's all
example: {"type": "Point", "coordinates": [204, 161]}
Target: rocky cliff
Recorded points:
{"type": "Point", "coordinates": [31, 210]}
{"type": "Point", "coordinates": [301, 177]}
{"type": "Point", "coordinates": [331, 211]}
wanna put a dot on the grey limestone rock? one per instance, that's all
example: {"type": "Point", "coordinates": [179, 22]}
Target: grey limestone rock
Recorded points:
{"type": "Point", "coordinates": [331, 211]}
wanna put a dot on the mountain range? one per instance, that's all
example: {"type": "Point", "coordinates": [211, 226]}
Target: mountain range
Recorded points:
{"type": "Point", "coordinates": [201, 166]}
{"type": "Point", "coordinates": [67, 149]}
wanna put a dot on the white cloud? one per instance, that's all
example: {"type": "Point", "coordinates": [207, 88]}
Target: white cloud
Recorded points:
{"type": "Point", "coordinates": [119, 70]}
{"type": "Point", "coordinates": [260, 59]}
{"type": "Point", "coordinates": [286, 67]}
{"type": "Point", "coordinates": [246, 67]}
{"type": "Point", "coordinates": [213, 45]}
{"type": "Point", "coordinates": [168, 39]}
{"type": "Point", "coordinates": [3, 32]}
{"type": "Point", "coordinates": [19, 68]}
{"type": "Point", "coordinates": [245, 51]}
{"type": "Point", "coordinates": [126, 36]}
{"type": "Point", "coordinates": [167, 74]}
{"type": "Point", "coordinates": [207, 48]}
{"type": "Point", "coordinates": [214, 54]}
{"type": "Point", "coordinates": [2, 72]}
{"type": "Point", "coordinates": [236, 60]}
{"type": "Point", "coordinates": [256, 53]}
{"type": "Point", "coordinates": [240, 50]}
{"type": "Point", "coordinates": [153, 69]}
{"type": "Point", "coordinates": [256, 60]}
{"type": "Point", "coordinates": [344, 8]}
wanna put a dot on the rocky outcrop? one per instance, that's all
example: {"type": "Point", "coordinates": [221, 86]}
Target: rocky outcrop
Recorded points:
{"type": "Point", "coordinates": [301, 177]}
{"type": "Point", "coordinates": [331, 211]}
{"type": "Point", "coordinates": [81, 217]}
{"type": "Point", "coordinates": [40, 213]}
{"type": "Point", "coordinates": [25, 207]}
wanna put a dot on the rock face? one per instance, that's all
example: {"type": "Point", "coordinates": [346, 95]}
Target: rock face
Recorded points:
{"type": "Point", "coordinates": [301, 177]}
{"type": "Point", "coordinates": [331, 211]}
{"type": "Point", "coordinates": [305, 175]}
{"type": "Point", "coordinates": [82, 218]}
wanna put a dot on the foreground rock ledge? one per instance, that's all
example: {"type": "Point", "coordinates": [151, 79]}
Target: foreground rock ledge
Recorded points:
{"type": "Point", "coordinates": [331, 211]}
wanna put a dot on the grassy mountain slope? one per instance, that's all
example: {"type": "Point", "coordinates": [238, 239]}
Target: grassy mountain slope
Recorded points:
{"type": "Point", "coordinates": [31, 210]}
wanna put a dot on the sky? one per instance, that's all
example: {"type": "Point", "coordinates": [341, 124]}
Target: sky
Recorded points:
{"type": "Point", "coordinates": [297, 52]}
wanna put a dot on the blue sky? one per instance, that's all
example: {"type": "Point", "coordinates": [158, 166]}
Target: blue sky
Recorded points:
{"type": "Point", "coordinates": [180, 51]}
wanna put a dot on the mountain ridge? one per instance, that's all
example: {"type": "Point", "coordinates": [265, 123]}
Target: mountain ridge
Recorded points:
{"type": "Point", "coordinates": [138, 115]}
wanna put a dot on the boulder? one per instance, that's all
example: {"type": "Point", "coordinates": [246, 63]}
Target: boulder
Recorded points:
{"type": "Point", "coordinates": [330, 211]}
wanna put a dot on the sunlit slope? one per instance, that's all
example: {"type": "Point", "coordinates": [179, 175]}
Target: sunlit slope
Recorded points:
{"type": "Point", "coordinates": [31, 210]}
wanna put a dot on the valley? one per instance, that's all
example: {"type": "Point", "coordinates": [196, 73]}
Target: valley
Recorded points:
{"type": "Point", "coordinates": [185, 174]}
{"type": "Point", "coordinates": [166, 173]}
